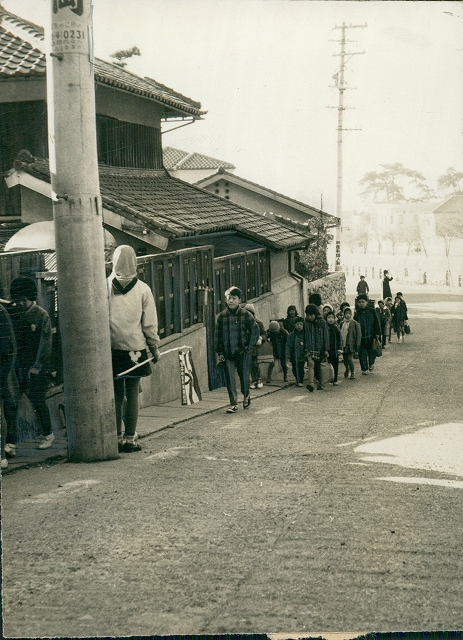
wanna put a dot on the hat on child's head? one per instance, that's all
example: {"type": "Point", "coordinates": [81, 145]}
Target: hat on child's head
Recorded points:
{"type": "Point", "coordinates": [347, 309]}
{"type": "Point", "coordinates": [291, 307]}
{"type": "Point", "coordinates": [362, 296]}
{"type": "Point", "coordinates": [274, 325]}
{"type": "Point", "coordinates": [327, 305]}
{"type": "Point", "coordinates": [234, 291]}
{"type": "Point", "coordinates": [23, 287]}
{"type": "Point", "coordinates": [344, 305]}
{"type": "Point", "coordinates": [298, 319]}
{"type": "Point", "coordinates": [311, 310]}
{"type": "Point", "coordinates": [330, 313]}
{"type": "Point", "coordinates": [316, 299]}
{"type": "Point", "coordinates": [250, 307]}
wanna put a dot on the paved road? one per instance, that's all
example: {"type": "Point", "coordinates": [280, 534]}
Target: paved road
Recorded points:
{"type": "Point", "coordinates": [338, 510]}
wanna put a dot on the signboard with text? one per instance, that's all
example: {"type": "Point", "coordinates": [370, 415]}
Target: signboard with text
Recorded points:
{"type": "Point", "coordinates": [69, 27]}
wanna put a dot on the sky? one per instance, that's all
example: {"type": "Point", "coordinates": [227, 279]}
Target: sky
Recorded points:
{"type": "Point", "coordinates": [263, 70]}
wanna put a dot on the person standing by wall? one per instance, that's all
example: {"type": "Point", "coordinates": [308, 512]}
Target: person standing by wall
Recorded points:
{"type": "Point", "coordinates": [236, 334]}
{"type": "Point", "coordinates": [386, 285]}
{"type": "Point", "coordinates": [133, 326]}
{"type": "Point", "coordinates": [362, 287]}
{"type": "Point", "coordinates": [385, 318]}
{"type": "Point", "coordinates": [371, 329]}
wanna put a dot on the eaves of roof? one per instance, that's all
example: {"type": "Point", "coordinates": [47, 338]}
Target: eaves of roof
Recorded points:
{"type": "Point", "coordinates": [22, 55]}
{"type": "Point", "coordinates": [265, 191]}
{"type": "Point", "coordinates": [453, 204]}
{"type": "Point", "coordinates": [177, 209]}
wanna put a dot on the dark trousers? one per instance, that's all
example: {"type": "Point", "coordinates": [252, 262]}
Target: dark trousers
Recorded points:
{"type": "Point", "coordinates": [35, 389]}
{"type": "Point", "coordinates": [241, 364]}
{"type": "Point", "coordinates": [333, 359]}
{"type": "Point", "coordinates": [126, 389]}
{"type": "Point", "coordinates": [298, 370]}
{"type": "Point", "coordinates": [255, 369]}
{"type": "Point", "coordinates": [284, 366]}
{"type": "Point", "coordinates": [367, 355]}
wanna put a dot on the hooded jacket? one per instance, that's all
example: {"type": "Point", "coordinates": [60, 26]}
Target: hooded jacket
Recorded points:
{"type": "Point", "coordinates": [132, 312]}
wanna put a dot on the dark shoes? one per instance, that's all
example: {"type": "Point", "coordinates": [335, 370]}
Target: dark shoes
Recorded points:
{"type": "Point", "coordinates": [310, 387]}
{"type": "Point", "coordinates": [130, 447]}
{"type": "Point", "coordinates": [246, 402]}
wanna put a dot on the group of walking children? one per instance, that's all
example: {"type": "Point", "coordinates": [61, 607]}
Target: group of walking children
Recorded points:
{"type": "Point", "coordinates": [307, 343]}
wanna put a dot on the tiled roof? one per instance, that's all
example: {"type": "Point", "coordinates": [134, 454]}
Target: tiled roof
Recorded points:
{"type": "Point", "coordinates": [454, 204]}
{"type": "Point", "coordinates": [270, 193]}
{"type": "Point", "coordinates": [176, 160]}
{"type": "Point", "coordinates": [179, 209]}
{"type": "Point", "coordinates": [22, 54]}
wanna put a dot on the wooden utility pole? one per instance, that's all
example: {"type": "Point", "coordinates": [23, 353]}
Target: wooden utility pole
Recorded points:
{"type": "Point", "coordinates": [83, 301]}
{"type": "Point", "coordinates": [341, 85]}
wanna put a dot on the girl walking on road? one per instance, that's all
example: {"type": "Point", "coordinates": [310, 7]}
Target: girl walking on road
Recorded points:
{"type": "Point", "coordinates": [134, 326]}
{"type": "Point", "coordinates": [352, 337]}
{"type": "Point", "coordinates": [399, 317]}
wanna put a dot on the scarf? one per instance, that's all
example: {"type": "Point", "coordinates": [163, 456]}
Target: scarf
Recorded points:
{"type": "Point", "coordinates": [124, 273]}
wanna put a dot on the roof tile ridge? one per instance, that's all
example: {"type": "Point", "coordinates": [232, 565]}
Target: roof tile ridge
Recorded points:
{"type": "Point", "coordinates": [164, 87]}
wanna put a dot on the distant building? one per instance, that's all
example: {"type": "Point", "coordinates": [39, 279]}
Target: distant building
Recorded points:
{"type": "Point", "coordinates": [192, 167]}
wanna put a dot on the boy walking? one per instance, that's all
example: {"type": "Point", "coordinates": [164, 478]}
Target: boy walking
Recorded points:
{"type": "Point", "coordinates": [295, 350]}
{"type": "Point", "coordinates": [32, 328]}
{"type": "Point", "coordinates": [316, 344]}
{"type": "Point", "coordinates": [236, 334]}
{"type": "Point", "coordinates": [335, 344]}
{"type": "Point", "coordinates": [371, 329]}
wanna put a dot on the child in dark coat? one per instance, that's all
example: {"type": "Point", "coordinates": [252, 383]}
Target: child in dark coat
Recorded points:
{"type": "Point", "coordinates": [295, 350]}
{"type": "Point", "coordinates": [335, 344]}
{"type": "Point", "coordinates": [316, 343]}
{"type": "Point", "coordinates": [289, 321]}
{"type": "Point", "coordinates": [256, 376]}
{"type": "Point", "coordinates": [352, 336]}
{"type": "Point", "coordinates": [277, 336]}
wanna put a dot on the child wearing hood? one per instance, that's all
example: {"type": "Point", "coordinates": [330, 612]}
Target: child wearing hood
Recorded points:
{"type": "Point", "coordinates": [385, 318]}
{"type": "Point", "coordinates": [327, 308]}
{"type": "Point", "coordinates": [335, 343]}
{"type": "Point", "coordinates": [134, 327]}
{"type": "Point", "coordinates": [352, 336]}
{"type": "Point", "coordinates": [277, 336]}
{"type": "Point", "coordinates": [256, 376]}
{"type": "Point", "coordinates": [316, 343]}
{"type": "Point", "coordinates": [295, 350]}
{"type": "Point", "coordinates": [289, 321]}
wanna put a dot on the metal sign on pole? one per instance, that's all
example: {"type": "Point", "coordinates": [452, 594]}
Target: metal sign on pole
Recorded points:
{"type": "Point", "coordinates": [77, 210]}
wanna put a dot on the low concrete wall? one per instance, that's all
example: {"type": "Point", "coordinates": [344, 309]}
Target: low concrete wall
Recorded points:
{"type": "Point", "coordinates": [332, 288]}
{"type": "Point", "coordinates": [285, 291]}
{"type": "Point", "coordinates": [163, 385]}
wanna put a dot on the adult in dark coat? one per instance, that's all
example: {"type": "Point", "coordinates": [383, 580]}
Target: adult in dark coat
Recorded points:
{"type": "Point", "coordinates": [386, 286]}
{"type": "Point", "coordinates": [371, 329]}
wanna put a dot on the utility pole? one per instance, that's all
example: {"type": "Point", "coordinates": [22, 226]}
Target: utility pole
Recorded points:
{"type": "Point", "coordinates": [341, 85]}
{"type": "Point", "coordinates": [77, 210]}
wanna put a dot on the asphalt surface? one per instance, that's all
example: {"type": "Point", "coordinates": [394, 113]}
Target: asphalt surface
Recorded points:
{"type": "Point", "coordinates": [295, 516]}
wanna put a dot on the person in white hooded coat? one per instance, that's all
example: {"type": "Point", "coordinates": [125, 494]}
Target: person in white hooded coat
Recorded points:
{"type": "Point", "coordinates": [134, 328]}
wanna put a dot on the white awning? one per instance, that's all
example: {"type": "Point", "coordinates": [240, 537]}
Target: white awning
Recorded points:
{"type": "Point", "coordinates": [41, 236]}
